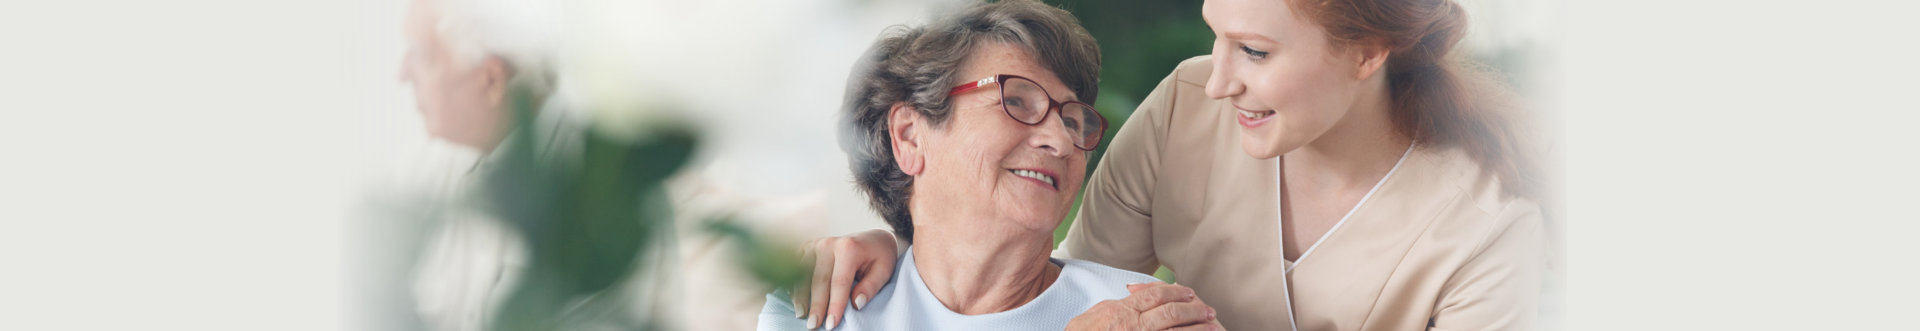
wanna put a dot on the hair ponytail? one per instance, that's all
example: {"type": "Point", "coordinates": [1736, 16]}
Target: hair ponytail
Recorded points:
{"type": "Point", "coordinates": [1439, 98]}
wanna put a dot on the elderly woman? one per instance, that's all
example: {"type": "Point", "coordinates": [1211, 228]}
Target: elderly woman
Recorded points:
{"type": "Point", "coordinates": [970, 136]}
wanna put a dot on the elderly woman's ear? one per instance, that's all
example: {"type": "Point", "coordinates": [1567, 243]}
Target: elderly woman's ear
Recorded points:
{"type": "Point", "coordinates": [903, 125]}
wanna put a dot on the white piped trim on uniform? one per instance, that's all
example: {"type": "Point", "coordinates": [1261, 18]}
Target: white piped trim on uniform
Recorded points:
{"type": "Point", "coordinates": [1343, 219]}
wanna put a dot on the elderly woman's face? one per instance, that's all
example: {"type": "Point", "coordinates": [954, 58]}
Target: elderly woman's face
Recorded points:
{"type": "Point", "coordinates": [988, 171]}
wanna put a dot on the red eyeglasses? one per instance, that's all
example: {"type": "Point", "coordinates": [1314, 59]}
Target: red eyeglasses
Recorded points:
{"type": "Point", "coordinates": [1028, 103]}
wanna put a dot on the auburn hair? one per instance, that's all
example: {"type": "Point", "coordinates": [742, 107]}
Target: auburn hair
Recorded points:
{"type": "Point", "coordinates": [1439, 99]}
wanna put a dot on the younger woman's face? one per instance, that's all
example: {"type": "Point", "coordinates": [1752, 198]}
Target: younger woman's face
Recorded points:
{"type": "Point", "coordinates": [1287, 82]}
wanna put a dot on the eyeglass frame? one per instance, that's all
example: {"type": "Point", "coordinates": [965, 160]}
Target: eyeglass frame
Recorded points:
{"type": "Point", "coordinates": [1053, 106]}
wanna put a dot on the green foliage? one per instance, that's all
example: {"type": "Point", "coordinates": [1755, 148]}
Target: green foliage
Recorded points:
{"type": "Point", "coordinates": [767, 261]}
{"type": "Point", "coordinates": [586, 217]}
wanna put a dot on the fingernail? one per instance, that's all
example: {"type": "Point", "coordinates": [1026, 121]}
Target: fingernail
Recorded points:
{"type": "Point", "coordinates": [830, 324]}
{"type": "Point", "coordinates": [813, 322]}
{"type": "Point", "coordinates": [799, 312]}
{"type": "Point", "coordinates": [1209, 313]}
{"type": "Point", "coordinates": [860, 302]}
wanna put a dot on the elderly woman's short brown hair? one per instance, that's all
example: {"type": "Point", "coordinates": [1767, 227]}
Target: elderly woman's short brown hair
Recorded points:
{"type": "Point", "coordinates": [917, 65]}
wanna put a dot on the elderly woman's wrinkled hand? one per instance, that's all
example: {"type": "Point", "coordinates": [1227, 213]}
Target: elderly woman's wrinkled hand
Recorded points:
{"type": "Point", "coordinates": [1151, 306]}
{"type": "Point", "coordinates": [852, 267]}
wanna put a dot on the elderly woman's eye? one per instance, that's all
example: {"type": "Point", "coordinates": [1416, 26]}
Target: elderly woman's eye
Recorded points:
{"type": "Point", "coordinates": [1073, 124]}
{"type": "Point", "coordinates": [1013, 102]}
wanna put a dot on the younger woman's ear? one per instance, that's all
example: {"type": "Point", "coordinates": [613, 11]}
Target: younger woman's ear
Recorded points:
{"type": "Point", "coordinates": [903, 129]}
{"type": "Point", "coordinates": [1373, 56]}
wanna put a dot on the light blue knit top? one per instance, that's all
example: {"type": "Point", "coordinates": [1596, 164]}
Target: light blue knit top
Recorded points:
{"type": "Point", "coordinates": [905, 303]}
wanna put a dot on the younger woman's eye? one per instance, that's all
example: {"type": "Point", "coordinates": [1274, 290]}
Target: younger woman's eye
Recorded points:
{"type": "Point", "coordinates": [1253, 53]}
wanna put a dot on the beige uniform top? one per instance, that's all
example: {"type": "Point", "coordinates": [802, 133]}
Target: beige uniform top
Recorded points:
{"type": "Point", "coordinates": [1436, 245]}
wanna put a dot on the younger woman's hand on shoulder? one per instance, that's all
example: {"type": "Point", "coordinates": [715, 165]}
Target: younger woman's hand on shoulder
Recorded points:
{"type": "Point", "coordinates": [847, 270]}
{"type": "Point", "coordinates": [1151, 306]}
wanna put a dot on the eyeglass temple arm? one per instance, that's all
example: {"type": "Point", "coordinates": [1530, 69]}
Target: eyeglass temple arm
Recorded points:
{"type": "Point", "coordinates": [963, 88]}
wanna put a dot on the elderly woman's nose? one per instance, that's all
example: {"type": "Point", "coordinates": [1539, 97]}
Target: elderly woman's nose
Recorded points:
{"type": "Point", "coordinates": [1051, 136]}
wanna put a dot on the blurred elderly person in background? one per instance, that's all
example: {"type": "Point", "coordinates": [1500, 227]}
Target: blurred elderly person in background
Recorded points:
{"type": "Point", "coordinates": [461, 60]}
{"type": "Point", "coordinates": [464, 58]}
{"type": "Point", "coordinates": [970, 136]}
{"type": "Point", "coordinates": [465, 62]}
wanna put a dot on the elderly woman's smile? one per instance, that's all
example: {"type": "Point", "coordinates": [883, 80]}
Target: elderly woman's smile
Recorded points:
{"type": "Point", "coordinates": [1044, 177]}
